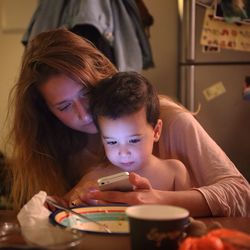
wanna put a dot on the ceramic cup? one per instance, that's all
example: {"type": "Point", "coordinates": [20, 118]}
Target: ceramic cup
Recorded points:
{"type": "Point", "coordinates": [156, 227]}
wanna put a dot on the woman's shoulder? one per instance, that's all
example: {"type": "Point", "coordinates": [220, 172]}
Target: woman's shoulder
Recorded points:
{"type": "Point", "coordinates": [169, 104]}
{"type": "Point", "coordinates": [171, 110]}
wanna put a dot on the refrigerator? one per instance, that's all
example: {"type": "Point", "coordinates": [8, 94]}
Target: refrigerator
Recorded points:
{"type": "Point", "coordinates": [213, 84]}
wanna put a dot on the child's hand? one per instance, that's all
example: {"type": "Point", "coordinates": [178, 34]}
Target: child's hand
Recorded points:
{"type": "Point", "coordinates": [143, 193]}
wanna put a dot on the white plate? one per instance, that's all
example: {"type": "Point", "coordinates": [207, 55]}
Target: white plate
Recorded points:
{"type": "Point", "coordinates": [112, 216]}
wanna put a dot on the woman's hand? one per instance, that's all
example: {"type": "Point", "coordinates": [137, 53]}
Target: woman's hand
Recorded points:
{"type": "Point", "coordinates": [78, 195]}
{"type": "Point", "coordinates": [143, 193]}
{"type": "Point", "coordinates": [56, 199]}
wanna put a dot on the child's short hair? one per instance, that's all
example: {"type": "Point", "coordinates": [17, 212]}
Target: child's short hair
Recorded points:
{"type": "Point", "coordinates": [122, 94]}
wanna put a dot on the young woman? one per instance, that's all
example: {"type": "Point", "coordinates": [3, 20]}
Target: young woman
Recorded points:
{"type": "Point", "coordinates": [55, 141]}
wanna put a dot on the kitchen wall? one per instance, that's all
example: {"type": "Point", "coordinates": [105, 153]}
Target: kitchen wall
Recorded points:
{"type": "Point", "coordinates": [164, 45]}
{"type": "Point", "coordinates": [15, 16]}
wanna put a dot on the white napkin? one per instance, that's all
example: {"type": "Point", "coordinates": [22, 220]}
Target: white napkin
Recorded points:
{"type": "Point", "coordinates": [36, 228]}
{"type": "Point", "coordinates": [34, 212]}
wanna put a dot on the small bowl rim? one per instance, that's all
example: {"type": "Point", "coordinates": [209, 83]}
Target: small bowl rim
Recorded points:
{"type": "Point", "coordinates": [132, 212]}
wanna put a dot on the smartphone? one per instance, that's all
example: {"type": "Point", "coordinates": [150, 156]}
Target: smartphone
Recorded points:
{"type": "Point", "coordinates": [115, 182]}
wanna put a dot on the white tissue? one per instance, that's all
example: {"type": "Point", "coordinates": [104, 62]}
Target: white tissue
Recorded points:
{"type": "Point", "coordinates": [34, 212]}
{"type": "Point", "coordinates": [36, 228]}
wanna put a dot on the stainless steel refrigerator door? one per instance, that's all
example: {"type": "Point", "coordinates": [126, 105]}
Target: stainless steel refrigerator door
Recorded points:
{"type": "Point", "coordinates": [223, 112]}
{"type": "Point", "coordinates": [191, 17]}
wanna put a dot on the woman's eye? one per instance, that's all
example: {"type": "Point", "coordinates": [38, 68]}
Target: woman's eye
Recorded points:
{"type": "Point", "coordinates": [65, 107]}
{"type": "Point", "coordinates": [111, 142]}
{"type": "Point", "coordinates": [84, 93]}
{"type": "Point", "coordinates": [133, 141]}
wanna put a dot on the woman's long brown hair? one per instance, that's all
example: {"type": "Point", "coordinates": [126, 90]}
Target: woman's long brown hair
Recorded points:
{"type": "Point", "coordinates": [41, 144]}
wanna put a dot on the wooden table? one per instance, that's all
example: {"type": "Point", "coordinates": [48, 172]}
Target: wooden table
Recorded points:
{"type": "Point", "coordinates": [113, 242]}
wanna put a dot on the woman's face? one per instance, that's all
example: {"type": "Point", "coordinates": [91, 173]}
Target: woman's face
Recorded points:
{"type": "Point", "coordinates": [69, 102]}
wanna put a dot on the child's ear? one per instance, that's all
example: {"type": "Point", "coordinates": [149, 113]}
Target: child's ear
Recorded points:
{"type": "Point", "coordinates": [157, 130]}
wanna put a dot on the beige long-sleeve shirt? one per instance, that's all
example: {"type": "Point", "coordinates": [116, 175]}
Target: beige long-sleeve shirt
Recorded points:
{"type": "Point", "coordinates": [212, 173]}
{"type": "Point", "coordinates": [226, 191]}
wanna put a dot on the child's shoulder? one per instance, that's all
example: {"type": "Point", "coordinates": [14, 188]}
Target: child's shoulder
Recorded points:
{"type": "Point", "coordinates": [180, 173]}
{"type": "Point", "coordinates": [174, 164]}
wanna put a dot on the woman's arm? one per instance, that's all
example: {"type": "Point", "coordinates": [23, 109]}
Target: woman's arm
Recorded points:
{"type": "Point", "coordinates": [192, 200]}
{"type": "Point", "coordinates": [225, 190]}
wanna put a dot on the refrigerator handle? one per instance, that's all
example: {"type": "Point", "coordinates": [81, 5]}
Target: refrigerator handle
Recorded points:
{"type": "Point", "coordinates": [191, 30]}
{"type": "Point", "coordinates": [190, 88]}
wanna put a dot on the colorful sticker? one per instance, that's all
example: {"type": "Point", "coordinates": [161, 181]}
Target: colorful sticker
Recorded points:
{"type": "Point", "coordinates": [218, 33]}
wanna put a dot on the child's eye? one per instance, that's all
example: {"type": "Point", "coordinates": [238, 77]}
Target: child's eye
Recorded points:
{"type": "Point", "coordinates": [111, 142]}
{"type": "Point", "coordinates": [135, 140]}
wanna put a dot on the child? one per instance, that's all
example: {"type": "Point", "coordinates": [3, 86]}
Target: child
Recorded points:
{"type": "Point", "coordinates": [125, 109]}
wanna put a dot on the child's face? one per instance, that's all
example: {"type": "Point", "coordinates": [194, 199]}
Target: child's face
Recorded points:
{"type": "Point", "coordinates": [128, 140]}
